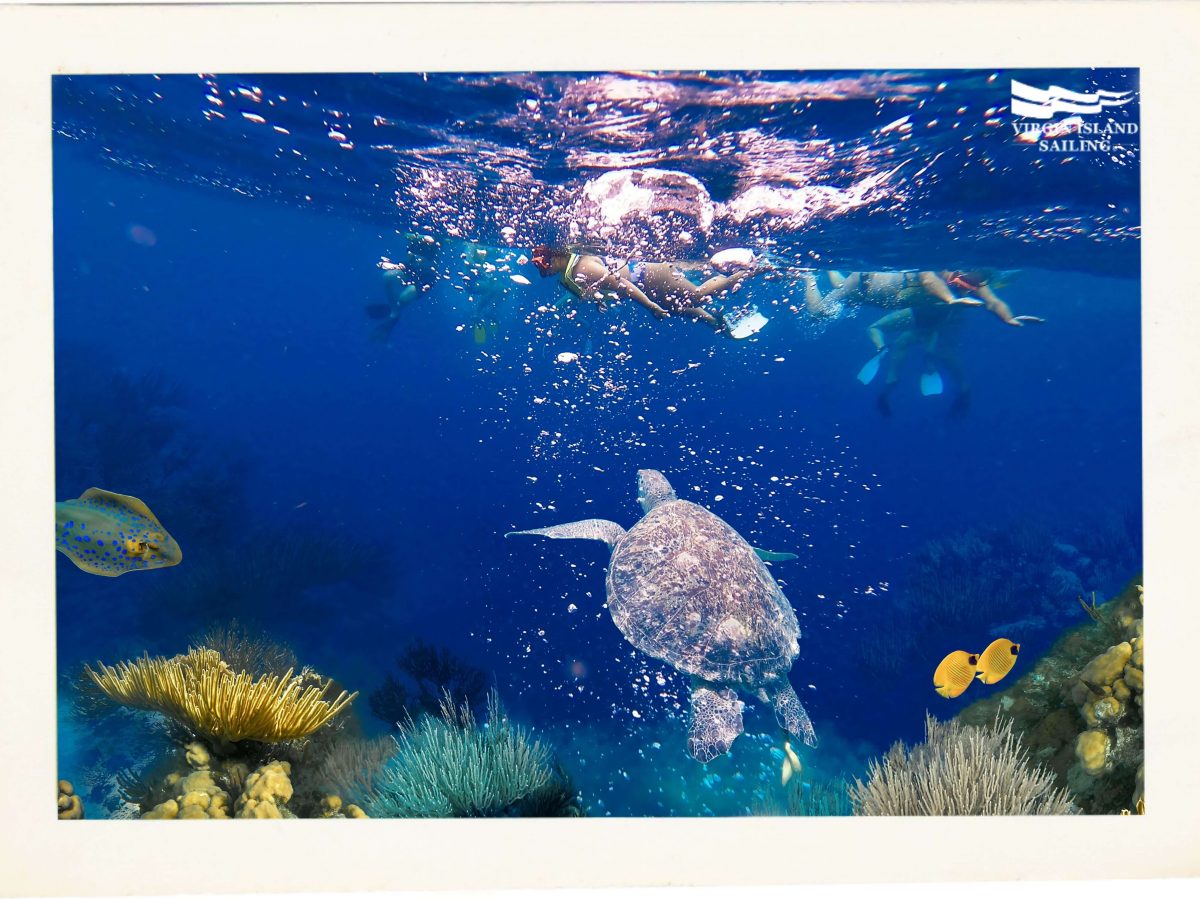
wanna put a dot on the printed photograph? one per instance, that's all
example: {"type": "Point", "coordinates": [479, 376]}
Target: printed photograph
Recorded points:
{"type": "Point", "coordinates": [606, 444]}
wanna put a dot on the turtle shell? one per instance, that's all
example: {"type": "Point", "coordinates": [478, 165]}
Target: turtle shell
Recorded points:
{"type": "Point", "coordinates": [684, 587]}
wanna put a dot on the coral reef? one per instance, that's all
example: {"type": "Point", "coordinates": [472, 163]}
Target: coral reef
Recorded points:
{"type": "Point", "coordinates": [266, 792]}
{"type": "Point", "coordinates": [352, 765]}
{"type": "Point", "coordinates": [246, 649]}
{"type": "Point", "coordinates": [1079, 710]}
{"type": "Point", "coordinates": [333, 807]}
{"type": "Point", "coordinates": [200, 691]}
{"type": "Point", "coordinates": [193, 789]}
{"type": "Point", "coordinates": [70, 806]}
{"type": "Point", "coordinates": [431, 671]}
{"type": "Point", "coordinates": [201, 788]}
{"type": "Point", "coordinates": [959, 770]}
{"type": "Point", "coordinates": [448, 766]}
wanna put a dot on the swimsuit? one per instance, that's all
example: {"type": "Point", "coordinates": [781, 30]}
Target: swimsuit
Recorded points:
{"type": "Point", "coordinates": [636, 271]}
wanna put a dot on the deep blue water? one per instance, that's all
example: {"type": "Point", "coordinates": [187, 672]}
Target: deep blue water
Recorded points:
{"type": "Point", "coordinates": [185, 250]}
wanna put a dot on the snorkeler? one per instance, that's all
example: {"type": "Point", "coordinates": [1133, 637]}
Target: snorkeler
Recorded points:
{"type": "Point", "coordinates": [933, 328]}
{"type": "Point", "coordinates": [660, 287]}
{"type": "Point", "coordinates": [405, 281]}
{"type": "Point", "coordinates": [890, 290]}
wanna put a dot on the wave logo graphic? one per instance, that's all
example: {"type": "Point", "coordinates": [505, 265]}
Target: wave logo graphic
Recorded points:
{"type": "Point", "coordinates": [1034, 103]}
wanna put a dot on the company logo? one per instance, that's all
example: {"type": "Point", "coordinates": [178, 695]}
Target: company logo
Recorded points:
{"type": "Point", "coordinates": [1072, 134]}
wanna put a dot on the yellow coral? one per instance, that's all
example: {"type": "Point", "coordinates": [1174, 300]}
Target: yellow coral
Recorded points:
{"type": "Point", "coordinates": [266, 790]}
{"type": "Point", "coordinates": [200, 691]}
{"type": "Point", "coordinates": [70, 806]}
{"type": "Point", "coordinates": [164, 810]}
{"type": "Point", "coordinates": [197, 755]}
{"type": "Point", "coordinates": [1134, 679]}
{"type": "Point", "coordinates": [1107, 667]}
{"type": "Point", "coordinates": [353, 811]}
{"type": "Point", "coordinates": [1092, 750]}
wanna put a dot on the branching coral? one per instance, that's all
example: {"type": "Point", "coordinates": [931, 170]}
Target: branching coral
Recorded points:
{"type": "Point", "coordinates": [959, 770]}
{"type": "Point", "coordinates": [200, 691]}
{"type": "Point", "coordinates": [433, 671]}
{"type": "Point", "coordinates": [451, 767]}
{"type": "Point", "coordinates": [353, 765]}
{"type": "Point", "coordinates": [244, 649]}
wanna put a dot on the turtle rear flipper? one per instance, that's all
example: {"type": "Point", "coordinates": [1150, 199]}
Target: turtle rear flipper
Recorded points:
{"type": "Point", "coordinates": [589, 529]}
{"type": "Point", "coordinates": [790, 713]}
{"type": "Point", "coordinates": [716, 721]}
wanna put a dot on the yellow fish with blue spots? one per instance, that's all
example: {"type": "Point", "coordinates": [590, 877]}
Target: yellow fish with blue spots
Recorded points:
{"type": "Point", "coordinates": [109, 534]}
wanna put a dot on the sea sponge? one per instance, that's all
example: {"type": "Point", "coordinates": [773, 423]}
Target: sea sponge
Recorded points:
{"type": "Point", "coordinates": [162, 811]}
{"type": "Point", "coordinates": [353, 811]}
{"type": "Point", "coordinates": [266, 792]}
{"type": "Point", "coordinates": [197, 755]}
{"type": "Point", "coordinates": [1092, 751]}
{"type": "Point", "coordinates": [1134, 679]}
{"type": "Point", "coordinates": [331, 806]}
{"type": "Point", "coordinates": [1108, 666]}
{"type": "Point", "coordinates": [70, 806]}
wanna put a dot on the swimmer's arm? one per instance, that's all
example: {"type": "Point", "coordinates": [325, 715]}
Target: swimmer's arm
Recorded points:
{"type": "Point", "coordinates": [828, 305]}
{"type": "Point", "coordinates": [1001, 309]}
{"type": "Point", "coordinates": [936, 287]}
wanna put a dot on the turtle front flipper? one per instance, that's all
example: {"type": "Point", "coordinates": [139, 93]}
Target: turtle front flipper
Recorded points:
{"type": "Point", "coordinates": [790, 713]}
{"type": "Point", "coordinates": [767, 556]}
{"type": "Point", "coordinates": [589, 529]}
{"type": "Point", "coordinates": [716, 721]}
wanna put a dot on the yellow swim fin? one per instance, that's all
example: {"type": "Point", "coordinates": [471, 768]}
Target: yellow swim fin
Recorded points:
{"type": "Point", "coordinates": [481, 334]}
{"type": "Point", "coordinates": [791, 763]}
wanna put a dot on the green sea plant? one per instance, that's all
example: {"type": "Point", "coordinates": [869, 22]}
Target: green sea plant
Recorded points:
{"type": "Point", "coordinates": [810, 799]}
{"type": "Point", "coordinates": [450, 766]}
{"type": "Point", "coordinates": [959, 770]}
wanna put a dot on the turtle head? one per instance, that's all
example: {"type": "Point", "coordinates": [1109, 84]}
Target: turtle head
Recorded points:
{"type": "Point", "coordinates": [653, 489]}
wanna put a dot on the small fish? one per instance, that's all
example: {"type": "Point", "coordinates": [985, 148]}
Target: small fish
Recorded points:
{"type": "Point", "coordinates": [791, 762]}
{"type": "Point", "coordinates": [997, 660]}
{"type": "Point", "coordinates": [109, 534]}
{"type": "Point", "coordinates": [955, 673]}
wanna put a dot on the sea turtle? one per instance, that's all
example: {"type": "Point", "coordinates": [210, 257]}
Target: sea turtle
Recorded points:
{"type": "Point", "coordinates": [686, 588]}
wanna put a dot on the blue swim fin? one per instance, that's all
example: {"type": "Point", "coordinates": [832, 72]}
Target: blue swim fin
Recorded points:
{"type": "Point", "coordinates": [931, 384]}
{"type": "Point", "coordinates": [868, 372]}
